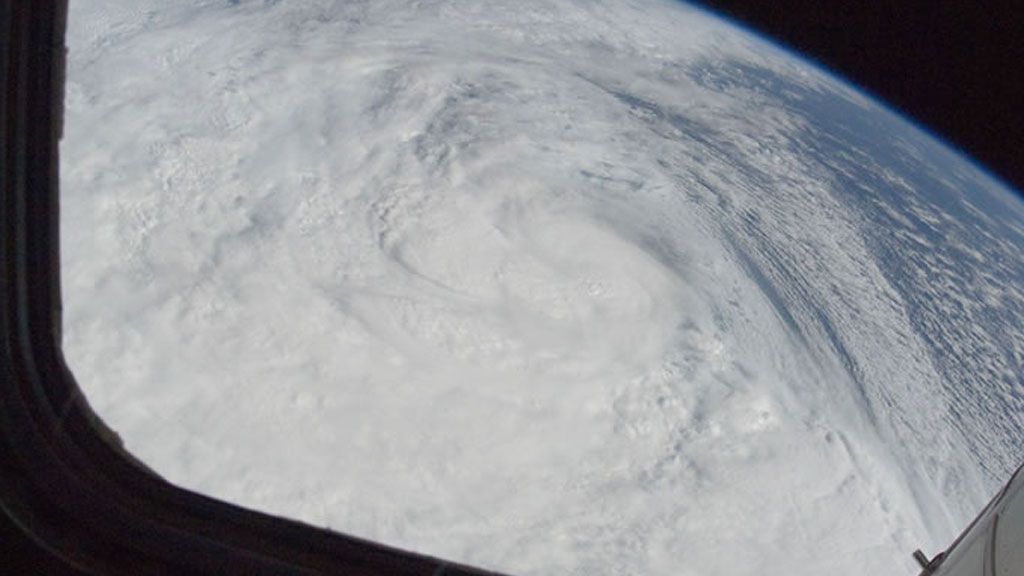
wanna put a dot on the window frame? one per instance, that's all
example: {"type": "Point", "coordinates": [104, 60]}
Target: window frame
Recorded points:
{"type": "Point", "coordinates": [71, 498]}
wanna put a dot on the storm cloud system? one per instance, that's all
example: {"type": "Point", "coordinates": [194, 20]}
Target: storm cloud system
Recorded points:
{"type": "Point", "coordinates": [548, 287]}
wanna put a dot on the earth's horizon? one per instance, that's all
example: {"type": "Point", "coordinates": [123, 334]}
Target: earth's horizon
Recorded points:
{"type": "Point", "coordinates": [546, 287]}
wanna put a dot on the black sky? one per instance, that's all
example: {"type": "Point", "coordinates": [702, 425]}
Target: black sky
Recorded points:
{"type": "Point", "coordinates": [956, 67]}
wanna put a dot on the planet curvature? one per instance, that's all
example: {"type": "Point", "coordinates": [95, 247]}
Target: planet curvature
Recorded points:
{"type": "Point", "coordinates": [545, 286]}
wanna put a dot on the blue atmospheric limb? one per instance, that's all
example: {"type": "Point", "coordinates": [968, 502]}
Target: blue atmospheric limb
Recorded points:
{"type": "Point", "coordinates": [863, 91]}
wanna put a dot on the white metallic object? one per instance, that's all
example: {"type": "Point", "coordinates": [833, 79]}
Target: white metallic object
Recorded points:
{"type": "Point", "coordinates": [993, 545]}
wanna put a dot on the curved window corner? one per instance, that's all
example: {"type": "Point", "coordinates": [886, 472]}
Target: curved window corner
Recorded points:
{"type": "Point", "coordinates": [72, 500]}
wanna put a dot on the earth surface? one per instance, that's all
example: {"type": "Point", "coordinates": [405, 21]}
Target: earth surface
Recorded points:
{"type": "Point", "coordinates": [549, 287]}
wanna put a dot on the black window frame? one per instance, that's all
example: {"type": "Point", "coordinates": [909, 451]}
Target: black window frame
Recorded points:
{"type": "Point", "coordinates": [72, 500]}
